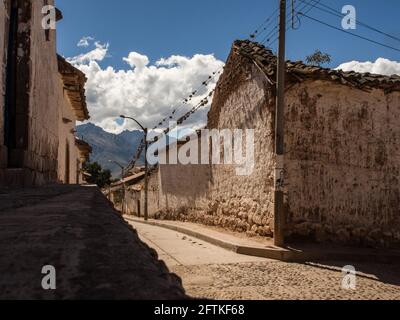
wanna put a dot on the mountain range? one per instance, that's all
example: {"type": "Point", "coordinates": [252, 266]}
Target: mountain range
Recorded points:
{"type": "Point", "coordinates": [107, 146]}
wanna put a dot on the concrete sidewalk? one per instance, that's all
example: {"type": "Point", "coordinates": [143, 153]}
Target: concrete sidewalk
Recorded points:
{"type": "Point", "coordinates": [96, 254]}
{"type": "Point", "coordinates": [178, 249]}
{"type": "Point", "coordinates": [242, 244]}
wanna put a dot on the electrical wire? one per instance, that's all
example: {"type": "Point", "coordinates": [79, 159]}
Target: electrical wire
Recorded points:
{"type": "Point", "coordinates": [348, 32]}
{"type": "Point", "coordinates": [337, 13]}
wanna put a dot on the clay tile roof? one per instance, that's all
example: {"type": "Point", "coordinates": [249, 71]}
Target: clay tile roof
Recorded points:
{"type": "Point", "coordinates": [74, 83]}
{"type": "Point", "coordinates": [298, 71]}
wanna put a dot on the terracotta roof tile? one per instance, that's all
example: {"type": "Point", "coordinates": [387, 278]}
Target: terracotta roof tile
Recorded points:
{"type": "Point", "coordinates": [298, 71]}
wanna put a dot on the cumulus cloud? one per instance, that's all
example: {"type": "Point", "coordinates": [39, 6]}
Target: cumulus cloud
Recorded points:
{"type": "Point", "coordinates": [149, 92]}
{"type": "Point", "coordinates": [137, 61]}
{"type": "Point", "coordinates": [380, 66]}
{"type": "Point", "coordinates": [85, 41]}
{"type": "Point", "coordinates": [97, 54]}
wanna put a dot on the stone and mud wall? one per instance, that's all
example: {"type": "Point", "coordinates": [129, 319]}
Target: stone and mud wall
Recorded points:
{"type": "Point", "coordinates": [46, 99]}
{"type": "Point", "coordinates": [39, 95]}
{"type": "Point", "coordinates": [4, 25]}
{"type": "Point", "coordinates": [214, 194]}
{"type": "Point", "coordinates": [343, 164]}
{"type": "Point", "coordinates": [68, 154]}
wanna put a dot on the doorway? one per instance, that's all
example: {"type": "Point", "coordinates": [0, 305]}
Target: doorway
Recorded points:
{"type": "Point", "coordinates": [16, 113]}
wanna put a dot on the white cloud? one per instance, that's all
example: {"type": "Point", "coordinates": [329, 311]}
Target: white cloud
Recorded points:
{"type": "Point", "coordinates": [149, 92]}
{"type": "Point", "coordinates": [136, 60]}
{"type": "Point", "coordinates": [97, 54]}
{"type": "Point", "coordinates": [380, 66]}
{"type": "Point", "coordinates": [85, 41]}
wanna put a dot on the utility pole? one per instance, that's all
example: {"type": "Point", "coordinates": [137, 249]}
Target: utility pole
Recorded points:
{"type": "Point", "coordinates": [146, 178]}
{"type": "Point", "coordinates": [279, 209]}
{"type": "Point", "coordinates": [146, 167]}
{"type": "Point", "coordinates": [123, 191]}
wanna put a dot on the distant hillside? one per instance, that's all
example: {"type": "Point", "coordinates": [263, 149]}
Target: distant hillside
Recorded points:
{"type": "Point", "coordinates": [107, 146]}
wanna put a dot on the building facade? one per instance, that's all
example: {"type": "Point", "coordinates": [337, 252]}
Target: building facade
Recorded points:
{"type": "Point", "coordinates": [342, 155]}
{"type": "Point", "coordinates": [72, 152]}
{"type": "Point", "coordinates": [34, 98]}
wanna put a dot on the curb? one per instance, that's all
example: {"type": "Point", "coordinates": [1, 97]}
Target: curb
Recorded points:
{"type": "Point", "coordinates": [282, 254]}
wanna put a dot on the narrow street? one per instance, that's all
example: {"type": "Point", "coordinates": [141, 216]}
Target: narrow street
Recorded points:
{"type": "Point", "coordinates": [75, 230]}
{"type": "Point", "coordinates": [211, 272]}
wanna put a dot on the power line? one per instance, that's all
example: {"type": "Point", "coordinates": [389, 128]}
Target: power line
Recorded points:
{"type": "Point", "coordinates": [189, 98]}
{"type": "Point", "coordinates": [274, 29]}
{"type": "Point", "coordinates": [211, 77]}
{"type": "Point", "coordinates": [262, 27]}
{"type": "Point", "coordinates": [350, 33]}
{"type": "Point", "coordinates": [265, 25]}
{"type": "Point", "coordinates": [287, 16]}
{"type": "Point", "coordinates": [337, 13]}
{"type": "Point", "coordinates": [204, 102]}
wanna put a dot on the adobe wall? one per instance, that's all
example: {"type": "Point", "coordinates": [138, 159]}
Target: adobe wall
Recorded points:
{"type": "Point", "coordinates": [154, 204]}
{"type": "Point", "coordinates": [131, 203]}
{"type": "Point", "coordinates": [4, 16]}
{"type": "Point", "coordinates": [135, 200]}
{"type": "Point", "coordinates": [46, 99]}
{"type": "Point", "coordinates": [66, 129]}
{"type": "Point", "coordinates": [216, 195]}
{"type": "Point", "coordinates": [343, 163]}
{"type": "Point", "coordinates": [182, 188]}
{"type": "Point", "coordinates": [244, 203]}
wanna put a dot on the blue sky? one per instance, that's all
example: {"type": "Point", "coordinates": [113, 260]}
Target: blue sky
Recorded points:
{"type": "Point", "coordinates": [160, 28]}
{"type": "Point", "coordinates": [152, 54]}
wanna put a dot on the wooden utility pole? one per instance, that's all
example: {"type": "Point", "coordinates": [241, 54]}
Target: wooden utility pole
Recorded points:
{"type": "Point", "coordinates": [279, 209]}
{"type": "Point", "coordinates": [123, 190]}
{"type": "Point", "coordinates": [146, 167]}
{"type": "Point", "coordinates": [146, 179]}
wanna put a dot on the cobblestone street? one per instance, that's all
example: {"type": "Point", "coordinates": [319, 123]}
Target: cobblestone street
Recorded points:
{"type": "Point", "coordinates": [214, 273]}
{"type": "Point", "coordinates": [279, 280]}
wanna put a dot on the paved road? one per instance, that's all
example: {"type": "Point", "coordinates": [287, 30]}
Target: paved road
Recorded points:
{"type": "Point", "coordinates": [214, 273]}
